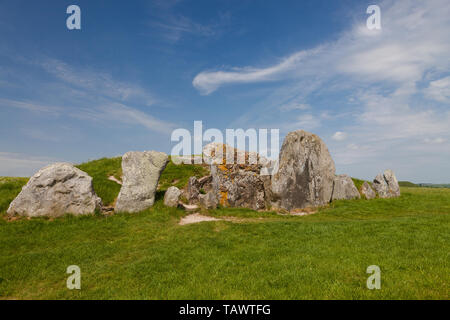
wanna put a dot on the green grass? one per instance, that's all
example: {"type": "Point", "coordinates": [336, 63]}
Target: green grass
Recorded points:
{"type": "Point", "coordinates": [100, 170]}
{"type": "Point", "coordinates": [178, 175]}
{"type": "Point", "coordinates": [407, 184]}
{"type": "Point", "coordinates": [358, 183]}
{"type": "Point", "coordinates": [259, 256]}
{"type": "Point", "coordinates": [9, 189]}
{"type": "Point", "coordinates": [431, 185]}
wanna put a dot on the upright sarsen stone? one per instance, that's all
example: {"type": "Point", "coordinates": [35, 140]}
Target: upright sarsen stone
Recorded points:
{"type": "Point", "coordinates": [306, 173]}
{"type": "Point", "coordinates": [393, 186]}
{"type": "Point", "coordinates": [386, 185]}
{"type": "Point", "coordinates": [367, 191]}
{"type": "Point", "coordinates": [344, 188]}
{"type": "Point", "coordinates": [55, 190]}
{"type": "Point", "coordinates": [141, 173]}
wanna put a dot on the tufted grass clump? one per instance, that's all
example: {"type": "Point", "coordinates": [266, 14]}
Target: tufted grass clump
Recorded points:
{"type": "Point", "coordinates": [9, 189]}
{"type": "Point", "coordinates": [100, 170]}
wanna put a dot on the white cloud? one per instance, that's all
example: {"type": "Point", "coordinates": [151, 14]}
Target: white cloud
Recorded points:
{"type": "Point", "coordinates": [18, 164]}
{"type": "Point", "coordinates": [412, 41]}
{"type": "Point", "coordinates": [379, 75]}
{"type": "Point", "coordinates": [339, 136]}
{"type": "Point", "coordinates": [439, 90]}
{"type": "Point", "coordinates": [173, 28]}
{"type": "Point", "coordinates": [435, 140]}
{"type": "Point", "coordinates": [209, 81]}
{"type": "Point", "coordinates": [306, 122]}
{"type": "Point", "coordinates": [294, 106]}
{"type": "Point", "coordinates": [126, 114]}
{"type": "Point", "coordinates": [98, 83]}
{"type": "Point", "coordinates": [30, 106]}
{"type": "Point", "coordinates": [120, 113]}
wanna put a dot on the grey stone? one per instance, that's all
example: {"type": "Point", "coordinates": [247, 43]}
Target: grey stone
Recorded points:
{"type": "Point", "coordinates": [344, 188]}
{"type": "Point", "coordinates": [238, 186]}
{"type": "Point", "coordinates": [208, 201]}
{"type": "Point", "coordinates": [380, 186]}
{"type": "Point", "coordinates": [367, 191]}
{"type": "Point", "coordinates": [193, 189]}
{"type": "Point", "coordinates": [141, 173]}
{"type": "Point", "coordinates": [230, 184]}
{"type": "Point", "coordinates": [54, 191]}
{"type": "Point", "coordinates": [386, 185]}
{"type": "Point", "coordinates": [305, 175]}
{"type": "Point", "coordinates": [393, 186]}
{"type": "Point", "coordinates": [195, 186]}
{"type": "Point", "coordinates": [172, 197]}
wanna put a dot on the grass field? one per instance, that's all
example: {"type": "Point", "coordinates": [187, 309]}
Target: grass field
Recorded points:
{"type": "Point", "coordinates": [260, 255]}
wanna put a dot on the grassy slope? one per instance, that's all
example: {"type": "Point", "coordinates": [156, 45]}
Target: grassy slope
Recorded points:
{"type": "Point", "coordinates": [407, 184]}
{"type": "Point", "coordinates": [9, 189]}
{"type": "Point", "coordinates": [358, 183]}
{"type": "Point", "coordinates": [149, 256]}
{"type": "Point", "coordinates": [100, 170]}
{"type": "Point", "coordinates": [178, 175]}
{"type": "Point", "coordinates": [108, 190]}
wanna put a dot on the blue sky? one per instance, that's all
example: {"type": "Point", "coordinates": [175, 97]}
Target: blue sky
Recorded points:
{"type": "Point", "coordinates": [140, 69]}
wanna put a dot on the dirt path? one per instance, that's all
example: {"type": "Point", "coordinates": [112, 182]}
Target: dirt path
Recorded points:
{"type": "Point", "coordinates": [196, 218]}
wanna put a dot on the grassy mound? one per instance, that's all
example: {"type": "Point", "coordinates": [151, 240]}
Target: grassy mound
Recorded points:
{"type": "Point", "coordinates": [9, 189]}
{"type": "Point", "coordinates": [254, 255]}
{"type": "Point", "coordinates": [322, 256]}
{"type": "Point", "coordinates": [178, 175]}
{"type": "Point", "coordinates": [107, 190]}
{"type": "Point", "coordinates": [100, 170]}
{"type": "Point", "coordinates": [407, 184]}
{"type": "Point", "coordinates": [358, 183]}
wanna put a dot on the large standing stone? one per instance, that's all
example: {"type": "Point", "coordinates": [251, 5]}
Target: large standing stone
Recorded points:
{"type": "Point", "coordinates": [54, 191]}
{"type": "Point", "coordinates": [380, 186]}
{"type": "Point", "coordinates": [344, 188]}
{"type": "Point", "coordinates": [306, 173]}
{"type": "Point", "coordinates": [367, 191]}
{"type": "Point", "coordinates": [386, 185]}
{"type": "Point", "coordinates": [238, 186]}
{"type": "Point", "coordinates": [141, 172]}
{"type": "Point", "coordinates": [393, 186]}
{"type": "Point", "coordinates": [172, 197]}
{"type": "Point", "coordinates": [234, 182]}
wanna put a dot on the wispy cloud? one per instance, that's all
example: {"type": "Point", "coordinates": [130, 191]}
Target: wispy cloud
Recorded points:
{"type": "Point", "coordinates": [411, 42]}
{"type": "Point", "coordinates": [378, 77]}
{"type": "Point", "coordinates": [209, 81]}
{"type": "Point", "coordinates": [19, 164]}
{"type": "Point", "coordinates": [173, 26]}
{"type": "Point", "coordinates": [97, 83]}
{"type": "Point", "coordinates": [293, 105]}
{"type": "Point", "coordinates": [90, 95]}
{"type": "Point", "coordinates": [439, 90]}
{"type": "Point", "coordinates": [30, 106]}
{"type": "Point", "coordinates": [339, 136]}
{"type": "Point", "coordinates": [120, 113]}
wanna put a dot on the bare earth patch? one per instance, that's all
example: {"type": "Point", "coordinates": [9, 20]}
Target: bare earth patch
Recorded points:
{"type": "Point", "coordinates": [114, 179]}
{"type": "Point", "coordinates": [196, 218]}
